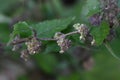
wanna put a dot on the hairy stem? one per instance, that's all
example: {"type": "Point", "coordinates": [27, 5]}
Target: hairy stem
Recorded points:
{"type": "Point", "coordinates": [41, 39]}
{"type": "Point", "coordinates": [46, 39]}
{"type": "Point", "coordinates": [111, 51]}
{"type": "Point", "coordinates": [70, 33]}
{"type": "Point", "coordinates": [27, 39]}
{"type": "Point", "coordinates": [20, 41]}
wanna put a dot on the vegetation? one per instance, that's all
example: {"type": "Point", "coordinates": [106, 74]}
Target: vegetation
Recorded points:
{"type": "Point", "coordinates": [61, 39]}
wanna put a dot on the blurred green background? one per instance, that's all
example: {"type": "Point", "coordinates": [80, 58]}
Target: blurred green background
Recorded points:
{"type": "Point", "coordinates": [80, 62]}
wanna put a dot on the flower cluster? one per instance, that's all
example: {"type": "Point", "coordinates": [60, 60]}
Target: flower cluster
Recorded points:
{"type": "Point", "coordinates": [111, 10]}
{"type": "Point", "coordinates": [95, 19]}
{"type": "Point", "coordinates": [33, 45]}
{"type": "Point", "coordinates": [62, 42]}
{"type": "Point", "coordinates": [82, 29]}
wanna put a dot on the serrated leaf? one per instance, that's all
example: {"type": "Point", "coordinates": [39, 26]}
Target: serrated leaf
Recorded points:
{"type": "Point", "coordinates": [99, 33]}
{"type": "Point", "coordinates": [49, 28]}
{"type": "Point", "coordinates": [22, 29]}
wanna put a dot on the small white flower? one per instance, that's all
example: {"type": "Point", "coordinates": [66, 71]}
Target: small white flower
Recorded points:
{"type": "Point", "coordinates": [93, 42]}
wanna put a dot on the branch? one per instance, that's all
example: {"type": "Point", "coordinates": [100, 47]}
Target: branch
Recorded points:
{"type": "Point", "coordinates": [70, 33]}
{"type": "Point", "coordinates": [41, 39]}
{"type": "Point", "coordinates": [20, 41]}
{"type": "Point", "coordinates": [27, 39]}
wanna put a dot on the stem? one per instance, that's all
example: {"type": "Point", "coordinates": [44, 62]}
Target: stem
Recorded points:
{"type": "Point", "coordinates": [46, 39]}
{"type": "Point", "coordinates": [27, 39]}
{"type": "Point", "coordinates": [70, 33]}
{"type": "Point", "coordinates": [41, 39]}
{"type": "Point", "coordinates": [20, 41]}
{"type": "Point", "coordinates": [111, 51]}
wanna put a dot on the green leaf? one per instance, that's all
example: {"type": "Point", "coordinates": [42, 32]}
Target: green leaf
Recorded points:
{"type": "Point", "coordinates": [22, 29]}
{"type": "Point", "coordinates": [49, 28]}
{"type": "Point", "coordinates": [52, 47]}
{"type": "Point", "coordinates": [100, 32]}
{"type": "Point", "coordinates": [47, 62]}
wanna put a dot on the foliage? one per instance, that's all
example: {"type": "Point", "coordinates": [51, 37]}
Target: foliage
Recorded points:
{"type": "Point", "coordinates": [57, 26]}
{"type": "Point", "coordinates": [100, 32]}
{"type": "Point", "coordinates": [22, 29]}
{"type": "Point", "coordinates": [47, 29]}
